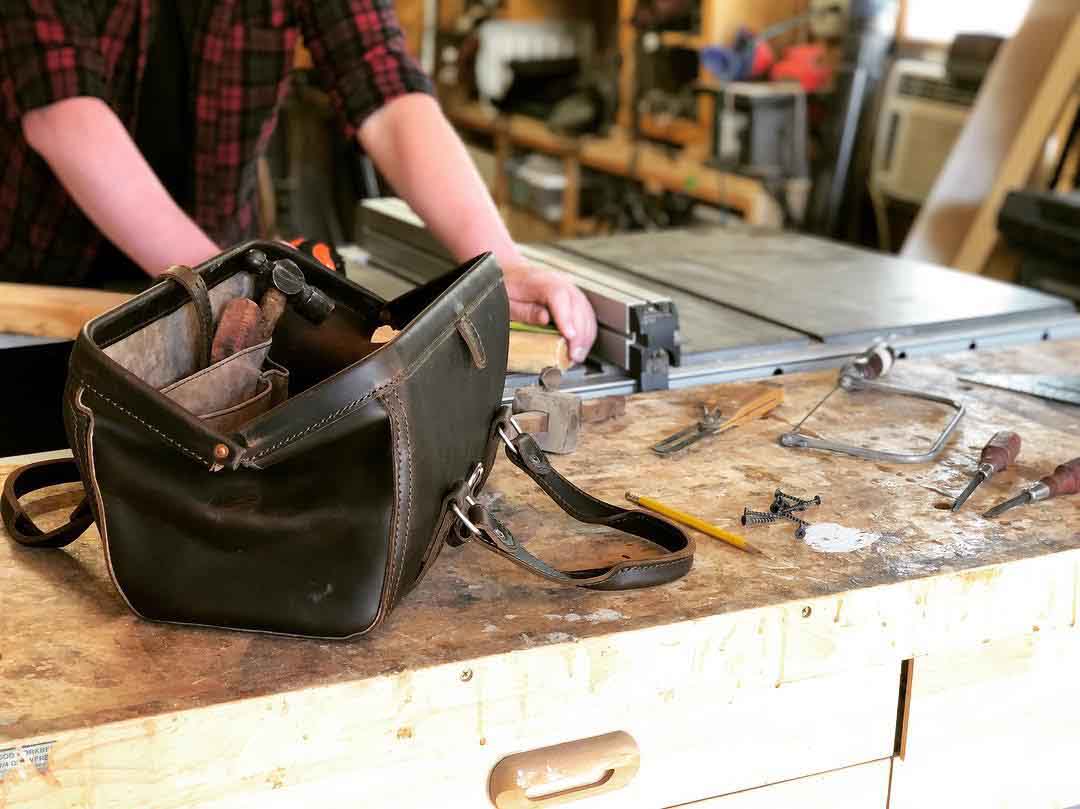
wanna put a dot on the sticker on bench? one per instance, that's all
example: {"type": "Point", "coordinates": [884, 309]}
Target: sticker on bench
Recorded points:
{"type": "Point", "coordinates": [12, 758]}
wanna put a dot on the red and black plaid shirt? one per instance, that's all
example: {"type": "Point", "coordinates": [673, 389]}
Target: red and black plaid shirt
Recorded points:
{"type": "Point", "coordinates": [56, 49]}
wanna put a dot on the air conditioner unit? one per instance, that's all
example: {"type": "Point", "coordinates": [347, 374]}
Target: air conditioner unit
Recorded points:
{"type": "Point", "coordinates": [921, 117]}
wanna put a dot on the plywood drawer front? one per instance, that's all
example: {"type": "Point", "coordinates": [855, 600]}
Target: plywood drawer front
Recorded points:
{"type": "Point", "coordinates": [432, 737]}
{"type": "Point", "coordinates": [864, 786]}
{"type": "Point", "coordinates": [707, 744]}
{"type": "Point", "coordinates": [700, 744]}
{"type": "Point", "coordinates": [997, 726]}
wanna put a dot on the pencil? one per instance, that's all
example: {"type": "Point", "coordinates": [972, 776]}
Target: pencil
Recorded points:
{"type": "Point", "coordinates": [693, 522]}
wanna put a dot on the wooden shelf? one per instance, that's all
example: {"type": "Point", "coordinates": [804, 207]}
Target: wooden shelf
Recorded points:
{"type": "Point", "coordinates": [470, 115]}
{"type": "Point", "coordinates": [682, 39]}
{"type": "Point", "coordinates": [623, 157]}
{"type": "Point", "coordinates": [684, 131]}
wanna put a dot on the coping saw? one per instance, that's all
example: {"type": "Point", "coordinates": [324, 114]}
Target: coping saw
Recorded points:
{"type": "Point", "coordinates": [862, 373]}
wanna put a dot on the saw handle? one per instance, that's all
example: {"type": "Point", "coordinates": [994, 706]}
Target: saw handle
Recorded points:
{"type": "Point", "coordinates": [873, 363]}
{"type": "Point", "coordinates": [1065, 479]}
{"type": "Point", "coordinates": [758, 407]}
{"type": "Point", "coordinates": [1001, 451]}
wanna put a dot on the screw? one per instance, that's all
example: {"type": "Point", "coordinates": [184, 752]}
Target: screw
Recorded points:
{"type": "Point", "coordinates": [789, 502]}
{"type": "Point", "coordinates": [466, 675]}
{"type": "Point", "coordinates": [800, 531]}
{"type": "Point", "coordinates": [757, 517]}
{"type": "Point", "coordinates": [815, 501]}
{"type": "Point", "coordinates": [807, 612]}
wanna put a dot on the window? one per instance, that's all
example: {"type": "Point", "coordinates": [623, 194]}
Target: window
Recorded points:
{"type": "Point", "coordinates": [937, 21]}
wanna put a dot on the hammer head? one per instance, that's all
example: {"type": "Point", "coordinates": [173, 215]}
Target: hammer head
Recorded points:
{"type": "Point", "coordinates": [563, 411]}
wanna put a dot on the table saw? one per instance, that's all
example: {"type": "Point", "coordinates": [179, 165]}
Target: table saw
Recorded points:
{"type": "Point", "coordinates": [680, 308]}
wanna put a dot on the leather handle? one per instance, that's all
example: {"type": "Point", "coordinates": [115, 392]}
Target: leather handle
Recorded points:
{"type": "Point", "coordinates": [631, 574]}
{"type": "Point", "coordinates": [564, 773]}
{"type": "Point", "coordinates": [195, 287]}
{"type": "Point", "coordinates": [36, 476]}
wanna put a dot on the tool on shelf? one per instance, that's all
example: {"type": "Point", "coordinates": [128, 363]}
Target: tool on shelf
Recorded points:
{"type": "Point", "coordinates": [1064, 480]}
{"type": "Point", "coordinates": [711, 422]}
{"type": "Point", "coordinates": [1000, 451]}
{"type": "Point", "coordinates": [1063, 388]}
{"type": "Point", "coordinates": [861, 374]}
{"type": "Point", "coordinates": [694, 522]}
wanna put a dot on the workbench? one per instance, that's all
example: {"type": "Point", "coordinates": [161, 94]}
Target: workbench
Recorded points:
{"type": "Point", "coordinates": [934, 666]}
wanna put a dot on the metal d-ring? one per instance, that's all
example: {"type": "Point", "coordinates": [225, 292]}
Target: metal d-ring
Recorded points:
{"type": "Point", "coordinates": [853, 383]}
{"type": "Point", "coordinates": [474, 478]}
{"type": "Point", "coordinates": [506, 439]}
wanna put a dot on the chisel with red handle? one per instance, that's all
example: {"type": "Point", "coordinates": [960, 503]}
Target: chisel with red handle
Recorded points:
{"type": "Point", "coordinates": [1000, 451]}
{"type": "Point", "coordinates": [1065, 480]}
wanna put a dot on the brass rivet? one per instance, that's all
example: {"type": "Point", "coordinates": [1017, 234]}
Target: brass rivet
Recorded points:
{"type": "Point", "coordinates": [221, 452]}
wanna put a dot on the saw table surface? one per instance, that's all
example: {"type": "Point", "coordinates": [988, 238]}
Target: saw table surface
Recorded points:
{"type": "Point", "coordinates": [483, 659]}
{"type": "Point", "coordinates": [827, 290]}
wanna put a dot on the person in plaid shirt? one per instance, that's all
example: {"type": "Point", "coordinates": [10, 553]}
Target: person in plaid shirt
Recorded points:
{"type": "Point", "coordinates": [135, 126]}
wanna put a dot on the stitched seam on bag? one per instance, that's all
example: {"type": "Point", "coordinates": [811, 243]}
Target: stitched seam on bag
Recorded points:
{"type": "Point", "coordinates": [148, 426]}
{"type": "Point", "coordinates": [77, 430]}
{"type": "Point", "coordinates": [395, 520]}
{"type": "Point", "coordinates": [94, 491]}
{"type": "Point", "coordinates": [396, 543]}
{"type": "Point", "coordinates": [401, 376]}
{"type": "Point", "coordinates": [407, 452]}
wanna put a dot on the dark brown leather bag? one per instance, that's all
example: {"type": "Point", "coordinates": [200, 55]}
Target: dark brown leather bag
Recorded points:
{"type": "Point", "coordinates": [313, 514]}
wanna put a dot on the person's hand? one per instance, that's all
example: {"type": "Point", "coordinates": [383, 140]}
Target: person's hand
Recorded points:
{"type": "Point", "coordinates": [540, 296]}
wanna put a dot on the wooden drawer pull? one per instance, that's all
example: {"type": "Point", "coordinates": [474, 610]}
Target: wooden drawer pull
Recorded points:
{"type": "Point", "coordinates": [564, 772]}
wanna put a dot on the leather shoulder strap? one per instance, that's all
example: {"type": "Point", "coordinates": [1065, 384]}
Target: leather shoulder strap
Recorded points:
{"type": "Point", "coordinates": [526, 455]}
{"type": "Point", "coordinates": [35, 476]}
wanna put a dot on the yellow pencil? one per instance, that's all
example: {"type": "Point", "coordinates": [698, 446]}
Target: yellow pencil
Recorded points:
{"type": "Point", "coordinates": [693, 522]}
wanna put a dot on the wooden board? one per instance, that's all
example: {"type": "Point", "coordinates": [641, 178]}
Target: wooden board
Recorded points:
{"type": "Point", "coordinates": [497, 662]}
{"type": "Point", "coordinates": [1001, 142]}
{"type": "Point", "coordinates": [824, 289]}
{"type": "Point", "coordinates": [52, 311]}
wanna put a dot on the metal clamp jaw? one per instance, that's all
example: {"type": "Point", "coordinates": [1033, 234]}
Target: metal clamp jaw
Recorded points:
{"type": "Point", "coordinates": [861, 374]}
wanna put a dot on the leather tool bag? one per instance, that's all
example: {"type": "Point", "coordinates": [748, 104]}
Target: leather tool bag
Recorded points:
{"type": "Point", "coordinates": [305, 485]}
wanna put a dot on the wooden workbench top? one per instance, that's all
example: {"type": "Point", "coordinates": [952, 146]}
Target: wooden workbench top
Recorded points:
{"type": "Point", "coordinates": [72, 656]}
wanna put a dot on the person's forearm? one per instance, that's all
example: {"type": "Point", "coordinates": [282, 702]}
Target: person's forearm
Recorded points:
{"type": "Point", "coordinates": [95, 159]}
{"type": "Point", "coordinates": [425, 161]}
